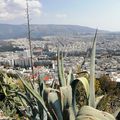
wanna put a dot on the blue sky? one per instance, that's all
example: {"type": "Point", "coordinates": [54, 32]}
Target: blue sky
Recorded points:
{"type": "Point", "coordinates": [104, 14]}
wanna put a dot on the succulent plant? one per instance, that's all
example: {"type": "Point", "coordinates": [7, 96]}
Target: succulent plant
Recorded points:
{"type": "Point", "coordinates": [87, 113]}
{"type": "Point", "coordinates": [9, 102]}
{"type": "Point", "coordinates": [42, 102]}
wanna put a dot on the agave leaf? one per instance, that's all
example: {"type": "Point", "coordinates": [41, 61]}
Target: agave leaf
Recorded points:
{"type": "Point", "coordinates": [85, 83]}
{"type": "Point", "coordinates": [27, 93]}
{"type": "Point", "coordinates": [62, 69]}
{"type": "Point", "coordinates": [71, 113]}
{"type": "Point", "coordinates": [84, 74]}
{"type": "Point", "coordinates": [53, 84]}
{"type": "Point", "coordinates": [66, 96]}
{"type": "Point", "coordinates": [42, 86]}
{"type": "Point", "coordinates": [85, 117]}
{"type": "Point", "coordinates": [28, 102]}
{"type": "Point", "coordinates": [69, 77]}
{"type": "Point", "coordinates": [72, 78]}
{"type": "Point", "coordinates": [37, 96]}
{"type": "Point", "coordinates": [74, 83]}
{"type": "Point", "coordinates": [92, 74]}
{"type": "Point", "coordinates": [115, 114]}
{"type": "Point", "coordinates": [40, 110]}
{"type": "Point", "coordinates": [98, 99]}
{"type": "Point", "coordinates": [87, 112]}
{"type": "Point", "coordinates": [54, 102]}
{"type": "Point", "coordinates": [66, 102]}
{"type": "Point", "coordinates": [60, 76]}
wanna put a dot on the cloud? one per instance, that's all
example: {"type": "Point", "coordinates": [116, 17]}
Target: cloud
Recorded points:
{"type": "Point", "coordinates": [61, 15]}
{"type": "Point", "coordinates": [11, 9]}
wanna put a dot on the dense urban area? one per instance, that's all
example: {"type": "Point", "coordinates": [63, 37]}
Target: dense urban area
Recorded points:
{"type": "Point", "coordinates": [44, 66]}
{"type": "Point", "coordinates": [15, 55]}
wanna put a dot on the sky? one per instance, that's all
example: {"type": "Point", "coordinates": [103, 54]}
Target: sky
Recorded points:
{"type": "Point", "coordinates": [102, 14]}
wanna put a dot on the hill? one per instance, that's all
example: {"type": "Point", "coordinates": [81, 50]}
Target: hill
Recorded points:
{"type": "Point", "coordinates": [8, 31]}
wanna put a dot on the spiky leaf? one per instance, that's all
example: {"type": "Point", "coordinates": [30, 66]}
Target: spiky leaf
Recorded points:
{"type": "Point", "coordinates": [87, 112]}
{"type": "Point", "coordinates": [37, 96]}
{"type": "Point", "coordinates": [98, 99]}
{"type": "Point", "coordinates": [92, 74]}
{"type": "Point", "coordinates": [54, 102]}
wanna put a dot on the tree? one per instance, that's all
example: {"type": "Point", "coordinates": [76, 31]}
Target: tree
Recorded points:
{"type": "Point", "coordinates": [106, 84]}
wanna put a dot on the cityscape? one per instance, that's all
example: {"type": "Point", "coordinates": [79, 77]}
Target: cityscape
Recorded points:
{"type": "Point", "coordinates": [59, 60]}
{"type": "Point", "coordinates": [76, 51]}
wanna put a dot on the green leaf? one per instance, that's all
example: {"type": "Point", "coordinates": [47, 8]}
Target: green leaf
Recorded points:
{"type": "Point", "coordinates": [71, 113]}
{"type": "Point", "coordinates": [98, 99]}
{"type": "Point", "coordinates": [42, 85]}
{"type": "Point", "coordinates": [28, 102]}
{"type": "Point", "coordinates": [54, 102]}
{"type": "Point", "coordinates": [85, 83]}
{"type": "Point", "coordinates": [92, 74]}
{"type": "Point", "coordinates": [4, 90]}
{"type": "Point", "coordinates": [37, 96]}
{"type": "Point", "coordinates": [53, 84]}
{"type": "Point", "coordinates": [69, 77]}
{"type": "Point", "coordinates": [87, 112]}
{"type": "Point", "coordinates": [66, 96]}
{"type": "Point", "coordinates": [74, 83]}
{"type": "Point", "coordinates": [60, 70]}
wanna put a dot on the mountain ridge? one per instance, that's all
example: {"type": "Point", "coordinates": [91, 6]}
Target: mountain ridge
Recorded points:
{"type": "Point", "coordinates": [9, 31]}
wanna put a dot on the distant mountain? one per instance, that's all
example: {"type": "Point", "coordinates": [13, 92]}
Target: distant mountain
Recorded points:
{"type": "Point", "coordinates": [12, 31]}
{"type": "Point", "coordinates": [8, 31]}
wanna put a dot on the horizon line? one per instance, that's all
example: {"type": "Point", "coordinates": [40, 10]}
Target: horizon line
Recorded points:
{"type": "Point", "coordinates": [61, 25]}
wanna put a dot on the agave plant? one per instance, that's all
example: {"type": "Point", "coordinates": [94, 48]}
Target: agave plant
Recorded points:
{"type": "Point", "coordinates": [60, 103]}
{"type": "Point", "coordinates": [55, 103]}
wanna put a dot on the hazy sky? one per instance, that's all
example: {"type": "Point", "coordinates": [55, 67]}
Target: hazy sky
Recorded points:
{"type": "Point", "coordinates": [104, 14]}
